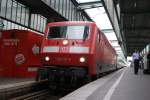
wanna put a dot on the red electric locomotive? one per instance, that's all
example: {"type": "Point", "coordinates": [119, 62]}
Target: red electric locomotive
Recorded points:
{"type": "Point", "coordinates": [19, 53]}
{"type": "Point", "coordinates": [75, 49]}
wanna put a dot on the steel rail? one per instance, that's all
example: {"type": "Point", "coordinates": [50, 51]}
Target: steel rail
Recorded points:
{"type": "Point", "coordinates": [17, 90]}
{"type": "Point", "coordinates": [32, 96]}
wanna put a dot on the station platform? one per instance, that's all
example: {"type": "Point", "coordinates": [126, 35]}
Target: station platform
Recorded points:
{"type": "Point", "coordinates": [120, 85]}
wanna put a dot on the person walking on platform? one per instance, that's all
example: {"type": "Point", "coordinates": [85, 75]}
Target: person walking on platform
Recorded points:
{"type": "Point", "coordinates": [135, 57]}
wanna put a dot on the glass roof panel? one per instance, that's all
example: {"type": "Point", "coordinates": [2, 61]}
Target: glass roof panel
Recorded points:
{"type": "Point", "coordinates": [100, 17]}
{"type": "Point", "coordinates": [115, 44]}
{"type": "Point", "coordinates": [85, 1]}
{"type": "Point", "coordinates": [118, 48]}
{"type": "Point", "coordinates": [111, 36]}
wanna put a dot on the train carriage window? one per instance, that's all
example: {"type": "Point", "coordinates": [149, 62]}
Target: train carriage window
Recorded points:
{"type": "Point", "coordinates": [98, 36]}
{"type": "Point", "coordinates": [69, 32]}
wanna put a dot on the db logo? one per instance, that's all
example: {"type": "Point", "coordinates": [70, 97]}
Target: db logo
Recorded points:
{"type": "Point", "coordinates": [35, 49]}
{"type": "Point", "coordinates": [19, 59]}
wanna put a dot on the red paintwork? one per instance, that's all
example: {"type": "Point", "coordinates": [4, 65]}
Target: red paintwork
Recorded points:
{"type": "Point", "coordinates": [13, 42]}
{"type": "Point", "coordinates": [101, 52]}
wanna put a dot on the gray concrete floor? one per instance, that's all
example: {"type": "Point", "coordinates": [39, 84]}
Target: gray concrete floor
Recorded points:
{"type": "Point", "coordinates": [132, 87]}
{"type": "Point", "coordinates": [120, 85]}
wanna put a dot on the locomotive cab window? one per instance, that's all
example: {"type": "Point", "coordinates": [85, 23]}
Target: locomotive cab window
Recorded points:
{"type": "Point", "coordinates": [57, 32]}
{"type": "Point", "coordinates": [68, 32]}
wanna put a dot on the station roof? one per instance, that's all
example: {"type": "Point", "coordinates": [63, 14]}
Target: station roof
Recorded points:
{"type": "Point", "coordinates": [135, 20]}
{"type": "Point", "coordinates": [134, 17]}
{"type": "Point", "coordinates": [96, 11]}
{"type": "Point", "coordinates": [37, 6]}
{"type": "Point", "coordinates": [136, 23]}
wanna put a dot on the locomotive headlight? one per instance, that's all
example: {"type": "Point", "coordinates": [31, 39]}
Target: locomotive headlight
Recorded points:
{"type": "Point", "coordinates": [47, 58]}
{"type": "Point", "coordinates": [65, 42]}
{"type": "Point", "coordinates": [82, 59]}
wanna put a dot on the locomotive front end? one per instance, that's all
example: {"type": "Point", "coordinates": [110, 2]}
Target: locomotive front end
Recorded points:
{"type": "Point", "coordinates": [66, 49]}
{"type": "Point", "coordinates": [66, 46]}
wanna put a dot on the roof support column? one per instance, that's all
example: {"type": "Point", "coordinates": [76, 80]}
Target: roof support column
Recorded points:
{"type": "Point", "coordinates": [113, 11]}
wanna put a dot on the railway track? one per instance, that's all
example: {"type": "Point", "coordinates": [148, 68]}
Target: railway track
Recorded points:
{"type": "Point", "coordinates": [39, 95]}
{"type": "Point", "coordinates": [33, 91]}
{"type": "Point", "coordinates": [18, 90]}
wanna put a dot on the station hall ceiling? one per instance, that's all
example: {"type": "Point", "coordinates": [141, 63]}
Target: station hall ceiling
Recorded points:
{"type": "Point", "coordinates": [95, 9]}
{"type": "Point", "coordinates": [134, 19]}
{"type": "Point", "coordinates": [135, 15]}
{"type": "Point", "coordinates": [134, 22]}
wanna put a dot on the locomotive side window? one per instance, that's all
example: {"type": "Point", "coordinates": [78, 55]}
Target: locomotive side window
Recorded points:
{"type": "Point", "coordinates": [99, 38]}
{"type": "Point", "coordinates": [69, 32]}
{"type": "Point", "coordinates": [86, 32]}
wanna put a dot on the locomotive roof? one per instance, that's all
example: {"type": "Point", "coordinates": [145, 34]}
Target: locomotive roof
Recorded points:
{"type": "Point", "coordinates": [71, 23]}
